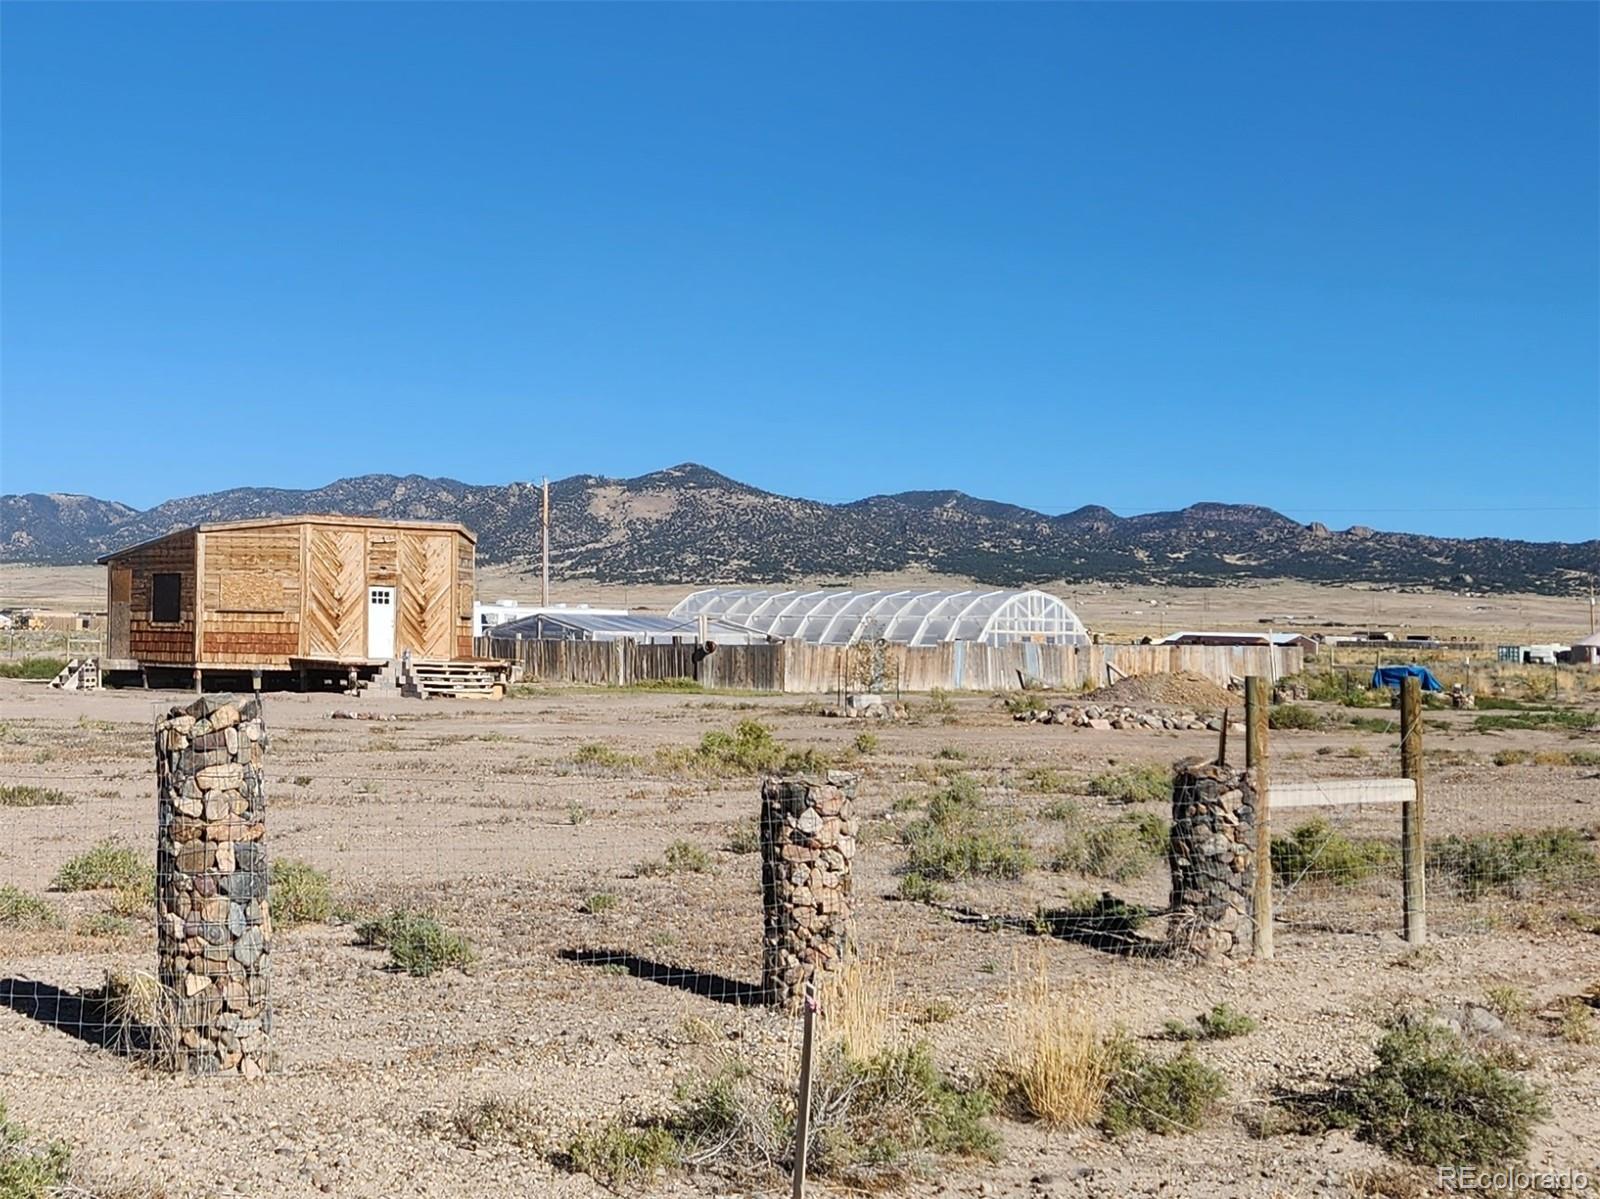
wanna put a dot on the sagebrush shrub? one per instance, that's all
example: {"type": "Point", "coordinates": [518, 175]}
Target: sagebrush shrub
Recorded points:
{"type": "Point", "coordinates": [1432, 1101]}
{"type": "Point", "coordinates": [959, 838]}
{"type": "Point", "coordinates": [1161, 1095]}
{"type": "Point", "coordinates": [1318, 852]}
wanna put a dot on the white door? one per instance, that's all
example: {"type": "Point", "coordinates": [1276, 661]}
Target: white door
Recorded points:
{"type": "Point", "coordinates": [380, 622]}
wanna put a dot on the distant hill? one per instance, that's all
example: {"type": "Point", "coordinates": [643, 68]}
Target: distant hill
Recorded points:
{"type": "Point", "coordinates": [689, 524]}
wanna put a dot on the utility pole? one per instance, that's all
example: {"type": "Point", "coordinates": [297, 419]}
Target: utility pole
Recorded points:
{"type": "Point", "coordinates": [544, 545]}
{"type": "Point", "coordinates": [1591, 603]}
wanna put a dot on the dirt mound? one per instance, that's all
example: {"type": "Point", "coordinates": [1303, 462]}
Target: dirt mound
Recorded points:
{"type": "Point", "coordinates": [1183, 689]}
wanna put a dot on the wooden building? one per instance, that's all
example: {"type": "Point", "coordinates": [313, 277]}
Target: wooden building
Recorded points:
{"type": "Point", "coordinates": [310, 595]}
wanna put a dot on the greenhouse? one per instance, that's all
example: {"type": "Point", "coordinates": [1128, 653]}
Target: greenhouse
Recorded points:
{"type": "Point", "coordinates": [914, 616]}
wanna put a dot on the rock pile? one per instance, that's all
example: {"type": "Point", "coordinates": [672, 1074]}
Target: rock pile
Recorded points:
{"type": "Point", "coordinates": [1179, 689]}
{"type": "Point", "coordinates": [868, 706]}
{"type": "Point", "coordinates": [1096, 716]}
{"type": "Point", "coordinates": [1212, 856]}
{"type": "Point", "coordinates": [808, 841]}
{"type": "Point", "coordinates": [214, 928]}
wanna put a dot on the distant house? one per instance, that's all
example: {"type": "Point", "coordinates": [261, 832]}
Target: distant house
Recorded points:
{"type": "Point", "coordinates": [307, 594]}
{"type": "Point", "coordinates": [1587, 651]}
{"type": "Point", "coordinates": [1281, 640]}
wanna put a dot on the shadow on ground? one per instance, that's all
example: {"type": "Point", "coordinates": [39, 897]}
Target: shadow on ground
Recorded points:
{"type": "Point", "coordinates": [78, 1014]}
{"type": "Point", "coordinates": [696, 982]}
{"type": "Point", "coordinates": [1106, 924]}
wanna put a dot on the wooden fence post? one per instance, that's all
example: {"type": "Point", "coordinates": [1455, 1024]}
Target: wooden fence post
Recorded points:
{"type": "Point", "coordinates": [1412, 846]}
{"type": "Point", "coordinates": [802, 1120]}
{"type": "Point", "coordinates": [1256, 711]}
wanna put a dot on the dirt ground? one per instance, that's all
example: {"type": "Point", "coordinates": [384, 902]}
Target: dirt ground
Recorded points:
{"type": "Point", "coordinates": [1112, 610]}
{"type": "Point", "coordinates": [478, 812]}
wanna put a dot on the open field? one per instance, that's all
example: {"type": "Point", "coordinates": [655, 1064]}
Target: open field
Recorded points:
{"type": "Point", "coordinates": [1115, 611]}
{"type": "Point", "coordinates": [497, 818]}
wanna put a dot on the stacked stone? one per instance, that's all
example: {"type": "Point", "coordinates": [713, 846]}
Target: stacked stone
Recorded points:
{"type": "Point", "coordinates": [215, 929]}
{"type": "Point", "coordinates": [1212, 855]}
{"type": "Point", "coordinates": [808, 841]}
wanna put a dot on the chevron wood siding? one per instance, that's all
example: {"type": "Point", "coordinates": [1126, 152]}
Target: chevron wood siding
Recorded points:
{"type": "Point", "coordinates": [336, 593]}
{"type": "Point", "coordinates": [425, 621]}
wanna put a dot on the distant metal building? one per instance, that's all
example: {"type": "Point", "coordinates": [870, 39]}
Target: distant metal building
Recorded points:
{"type": "Point", "coordinates": [914, 616]}
{"type": "Point", "coordinates": [1282, 640]}
{"type": "Point", "coordinates": [1586, 652]}
{"type": "Point", "coordinates": [486, 617]}
{"type": "Point", "coordinates": [577, 624]}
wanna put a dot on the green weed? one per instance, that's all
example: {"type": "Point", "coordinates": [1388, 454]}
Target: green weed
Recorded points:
{"type": "Point", "coordinates": [1146, 783]}
{"type": "Point", "coordinates": [105, 866]}
{"type": "Point", "coordinates": [18, 909]}
{"type": "Point", "coordinates": [1293, 716]}
{"type": "Point", "coordinates": [682, 857]}
{"type": "Point", "coordinates": [1221, 1023]}
{"type": "Point", "coordinates": [16, 795]}
{"type": "Point", "coordinates": [31, 668]}
{"type": "Point", "coordinates": [417, 944]}
{"type": "Point", "coordinates": [301, 894]}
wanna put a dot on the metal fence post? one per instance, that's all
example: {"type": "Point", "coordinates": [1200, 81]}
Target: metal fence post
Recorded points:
{"type": "Point", "coordinates": [1412, 846]}
{"type": "Point", "coordinates": [1256, 711]}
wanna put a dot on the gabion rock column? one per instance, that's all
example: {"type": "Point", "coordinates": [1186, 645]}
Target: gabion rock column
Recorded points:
{"type": "Point", "coordinates": [215, 929]}
{"type": "Point", "coordinates": [1212, 855]}
{"type": "Point", "coordinates": [808, 840]}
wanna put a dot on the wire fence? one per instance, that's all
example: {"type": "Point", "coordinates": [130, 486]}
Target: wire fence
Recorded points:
{"type": "Point", "coordinates": [48, 643]}
{"type": "Point", "coordinates": [550, 927]}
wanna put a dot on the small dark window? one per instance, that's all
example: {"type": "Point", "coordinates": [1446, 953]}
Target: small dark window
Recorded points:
{"type": "Point", "coordinates": [166, 598]}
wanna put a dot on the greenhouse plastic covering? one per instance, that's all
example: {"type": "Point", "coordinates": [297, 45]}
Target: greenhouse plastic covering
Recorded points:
{"type": "Point", "coordinates": [907, 617]}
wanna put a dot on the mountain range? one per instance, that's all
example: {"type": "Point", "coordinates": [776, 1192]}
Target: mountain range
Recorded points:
{"type": "Point", "coordinates": [689, 524]}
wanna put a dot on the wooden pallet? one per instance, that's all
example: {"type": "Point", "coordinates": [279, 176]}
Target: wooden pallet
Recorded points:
{"type": "Point", "coordinates": [461, 678]}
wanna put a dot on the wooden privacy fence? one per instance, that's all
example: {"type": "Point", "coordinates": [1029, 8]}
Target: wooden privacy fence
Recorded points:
{"type": "Point", "coordinates": [621, 663]}
{"type": "Point", "coordinates": [799, 668]}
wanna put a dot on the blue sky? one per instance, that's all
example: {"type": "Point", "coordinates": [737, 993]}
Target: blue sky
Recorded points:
{"type": "Point", "coordinates": [1337, 259]}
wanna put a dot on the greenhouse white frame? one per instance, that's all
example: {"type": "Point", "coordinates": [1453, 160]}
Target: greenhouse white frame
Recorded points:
{"type": "Point", "coordinates": [915, 616]}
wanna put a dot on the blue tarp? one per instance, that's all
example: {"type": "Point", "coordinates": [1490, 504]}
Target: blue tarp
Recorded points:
{"type": "Point", "coordinates": [1390, 676]}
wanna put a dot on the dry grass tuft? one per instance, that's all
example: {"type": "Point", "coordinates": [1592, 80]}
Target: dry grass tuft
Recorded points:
{"type": "Point", "coordinates": [140, 1017]}
{"type": "Point", "coordinates": [1576, 1023]}
{"type": "Point", "coordinates": [858, 1007]}
{"type": "Point", "coordinates": [496, 1120]}
{"type": "Point", "coordinates": [1058, 1059]}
